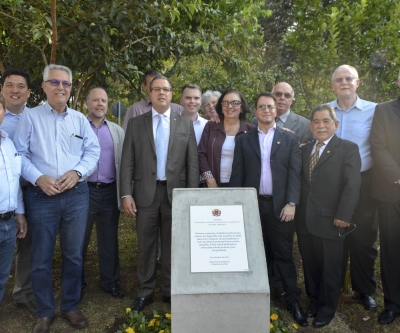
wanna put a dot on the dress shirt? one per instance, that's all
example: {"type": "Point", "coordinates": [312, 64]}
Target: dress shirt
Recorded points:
{"type": "Point", "coordinates": [166, 116]}
{"type": "Point", "coordinates": [10, 172]}
{"type": "Point", "coordinates": [198, 125]}
{"type": "Point", "coordinates": [355, 126]}
{"type": "Point", "coordinates": [282, 119]}
{"type": "Point", "coordinates": [51, 144]}
{"type": "Point", "coordinates": [265, 140]}
{"type": "Point", "coordinates": [145, 106]}
{"type": "Point", "coordinates": [322, 148]}
{"type": "Point", "coordinates": [105, 171]}
{"type": "Point", "coordinates": [10, 122]}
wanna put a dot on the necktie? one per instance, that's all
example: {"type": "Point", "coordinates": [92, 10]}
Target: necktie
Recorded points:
{"type": "Point", "coordinates": [279, 122]}
{"type": "Point", "coordinates": [160, 149]}
{"type": "Point", "coordinates": [313, 160]}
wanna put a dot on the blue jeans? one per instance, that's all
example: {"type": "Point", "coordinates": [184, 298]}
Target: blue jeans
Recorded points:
{"type": "Point", "coordinates": [66, 214]}
{"type": "Point", "coordinates": [7, 244]}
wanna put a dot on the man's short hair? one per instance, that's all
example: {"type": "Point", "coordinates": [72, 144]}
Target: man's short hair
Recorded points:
{"type": "Point", "coordinates": [151, 73]}
{"type": "Point", "coordinates": [159, 77]}
{"type": "Point", "coordinates": [52, 67]}
{"type": "Point", "coordinates": [90, 90]}
{"type": "Point", "coordinates": [2, 102]}
{"type": "Point", "coordinates": [16, 71]}
{"type": "Point", "coordinates": [264, 94]}
{"type": "Point", "coordinates": [190, 86]}
{"type": "Point", "coordinates": [324, 107]}
{"type": "Point", "coordinates": [350, 68]}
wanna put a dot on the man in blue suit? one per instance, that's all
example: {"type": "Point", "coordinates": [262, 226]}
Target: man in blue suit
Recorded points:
{"type": "Point", "coordinates": [269, 159]}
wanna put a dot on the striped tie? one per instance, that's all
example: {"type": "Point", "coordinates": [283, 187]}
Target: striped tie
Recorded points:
{"type": "Point", "coordinates": [313, 160]}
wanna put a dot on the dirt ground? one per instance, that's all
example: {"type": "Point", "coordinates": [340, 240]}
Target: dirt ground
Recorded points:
{"type": "Point", "coordinates": [106, 313]}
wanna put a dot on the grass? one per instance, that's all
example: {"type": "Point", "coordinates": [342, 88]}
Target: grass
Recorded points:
{"type": "Point", "coordinates": [106, 313]}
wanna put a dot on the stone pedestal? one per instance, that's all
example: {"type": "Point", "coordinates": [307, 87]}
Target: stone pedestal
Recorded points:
{"type": "Point", "coordinates": [218, 302]}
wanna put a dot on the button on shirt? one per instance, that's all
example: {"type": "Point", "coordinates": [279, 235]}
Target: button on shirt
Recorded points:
{"type": "Point", "coordinates": [51, 144]}
{"type": "Point", "coordinates": [355, 126]}
{"type": "Point", "coordinates": [10, 171]}
{"type": "Point", "coordinates": [265, 140]}
{"type": "Point", "coordinates": [105, 171]}
{"type": "Point", "coordinates": [166, 116]}
{"type": "Point", "coordinates": [10, 122]}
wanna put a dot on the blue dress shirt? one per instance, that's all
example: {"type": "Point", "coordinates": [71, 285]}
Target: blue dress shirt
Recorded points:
{"type": "Point", "coordinates": [355, 126]}
{"type": "Point", "coordinates": [10, 122]}
{"type": "Point", "coordinates": [10, 171]}
{"type": "Point", "coordinates": [51, 144]}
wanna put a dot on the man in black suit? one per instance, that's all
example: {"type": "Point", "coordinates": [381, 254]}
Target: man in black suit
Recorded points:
{"type": "Point", "coordinates": [269, 159]}
{"type": "Point", "coordinates": [385, 151]}
{"type": "Point", "coordinates": [329, 194]}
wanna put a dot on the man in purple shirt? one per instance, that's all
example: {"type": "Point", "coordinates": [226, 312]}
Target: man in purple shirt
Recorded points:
{"type": "Point", "coordinates": [145, 105]}
{"type": "Point", "coordinates": [104, 196]}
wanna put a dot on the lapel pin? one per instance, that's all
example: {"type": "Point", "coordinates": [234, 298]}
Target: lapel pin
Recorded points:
{"type": "Point", "coordinates": [328, 151]}
{"type": "Point", "coordinates": [278, 143]}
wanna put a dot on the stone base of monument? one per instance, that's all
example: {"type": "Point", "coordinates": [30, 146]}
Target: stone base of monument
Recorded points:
{"type": "Point", "coordinates": [219, 272]}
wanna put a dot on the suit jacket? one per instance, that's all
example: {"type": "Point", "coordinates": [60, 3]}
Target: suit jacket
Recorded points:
{"type": "Point", "coordinates": [285, 165]}
{"type": "Point", "coordinates": [298, 124]}
{"type": "Point", "coordinates": [117, 135]}
{"type": "Point", "coordinates": [334, 189]}
{"type": "Point", "coordinates": [139, 160]}
{"type": "Point", "coordinates": [385, 151]}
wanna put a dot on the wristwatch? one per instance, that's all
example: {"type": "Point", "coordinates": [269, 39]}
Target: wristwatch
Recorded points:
{"type": "Point", "coordinates": [78, 173]}
{"type": "Point", "coordinates": [291, 203]}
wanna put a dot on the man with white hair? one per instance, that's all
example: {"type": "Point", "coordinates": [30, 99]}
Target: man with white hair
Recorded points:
{"type": "Point", "coordinates": [59, 151]}
{"type": "Point", "coordinates": [355, 118]}
{"type": "Point", "coordinates": [385, 151]}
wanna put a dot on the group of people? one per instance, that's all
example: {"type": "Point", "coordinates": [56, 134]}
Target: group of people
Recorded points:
{"type": "Point", "coordinates": [323, 178]}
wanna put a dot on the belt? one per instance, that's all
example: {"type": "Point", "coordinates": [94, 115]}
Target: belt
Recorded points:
{"type": "Point", "coordinates": [265, 197]}
{"type": "Point", "coordinates": [6, 216]}
{"type": "Point", "coordinates": [161, 182]}
{"type": "Point", "coordinates": [100, 185]}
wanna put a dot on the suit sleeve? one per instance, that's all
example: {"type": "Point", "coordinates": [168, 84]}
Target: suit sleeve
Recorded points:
{"type": "Point", "coordinates": [380, 153]}
{"type": "Point", "coordinates": [237, 175]}
{"type": "Point", "coordinates": [294, 175]}
{"type": "Point", "coordinates": [192, 160]}
{"type": "Point", "coordinates": [127, 162]}
{"type": "Point", "coordinates": [351, 178]}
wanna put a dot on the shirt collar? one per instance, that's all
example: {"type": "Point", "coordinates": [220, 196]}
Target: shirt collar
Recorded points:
{"type": "Point", "coordinates": [50, 109]}
{"type": "Point", "coordinates": [91, 121]}
{"type": "Point", "coordinates": [285, 116]}
{"type": "Point", "coordinates": [325, 142]}
{"type": "Point", "coordinates": [357, 104]}
{"type": "Point", "coordinates": [3, 134]}
{"type": "Point", "coordinates": [16, 115]}
{"type": "Point", "coordinates": [273, 128]}
{"type": "Point", "coordinates": [166, 113]}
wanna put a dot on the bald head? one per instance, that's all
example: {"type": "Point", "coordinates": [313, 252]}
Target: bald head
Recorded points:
{"type": "Point", "coordinates": [284, 95]}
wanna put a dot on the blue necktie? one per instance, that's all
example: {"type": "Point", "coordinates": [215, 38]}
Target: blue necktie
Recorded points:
{"type": "Point", "coordinates": [160, 149]}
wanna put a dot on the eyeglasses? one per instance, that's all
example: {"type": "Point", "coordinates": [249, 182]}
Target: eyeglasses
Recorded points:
{"type": "Point", "coordinates": [265, 107]}
{"type": "Point", "coordinates": [347, 230]}
{"type": "Point", "coordinates": [347, 79]}
{"type": "Point", "coordinates": [234, 104]}
{"type": "Point", "coordinates": [214, 103]}
{"type": "Point", "coordinates": [286, 95]}
{"type": "Point", "coordinates": [158, 89]}
{"type": "Point", "coordinates": [56, 83]}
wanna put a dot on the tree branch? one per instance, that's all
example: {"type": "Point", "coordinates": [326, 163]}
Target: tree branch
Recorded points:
{"type": "Point", "coordinates": [54, 36]}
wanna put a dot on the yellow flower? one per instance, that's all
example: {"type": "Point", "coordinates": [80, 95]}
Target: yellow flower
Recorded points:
{"type": "Point", "coordinates": [271, 326]}
{"type": "Point", "coordinates": [158, 323]}
{"type": "Point", "coordinates": [162, 331]}
{"type": "Point", "coordinates": [152, 322]}
{"type": "Point", "coordinates": [295, 326]}
{"type": "Point", "coordinates": [128, 310]}
{"type": "Point", "coordinates": [156, 316]}
{"type": "Point", "coordinates": [274, 317]}
{"type": "Point", "coordinates": [168, 315]}
{"type": "Point", "coordinates": [129, 330]}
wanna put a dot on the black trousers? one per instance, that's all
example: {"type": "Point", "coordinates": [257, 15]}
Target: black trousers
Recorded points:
{"type": "Point", "coordinates": [389, 233]}
{"type": "Point", "coordinates": [322, 264]}
{"type": "Point", "coordinates": [278, 237]}
{"type": "Point", "coordinates": [103, 210]}
{"type": "Point", "coordinates": [360, 245]}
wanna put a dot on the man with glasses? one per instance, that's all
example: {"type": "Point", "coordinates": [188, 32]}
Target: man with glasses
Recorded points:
{"type": "Point", "coordinates": [329, 194]}
{"type": "Point", "coordinates": [355, 118]}
{"type": "Point", "coordinates": [285, 117]}
{"type": "Point", "coordinates": [16, 91]}
{"type": "Point", "coordinates": [144, 106]}
{"type": "Point", "coordinates": [59, 151]}
{"type": "Point", "coordinates": [385, 151]}
{"type": "Point", "coordinates": [269, 159]}
{"type": "Point", "coordinates": [158, 155]}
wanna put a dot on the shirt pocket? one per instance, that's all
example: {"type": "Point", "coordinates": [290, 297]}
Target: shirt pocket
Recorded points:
{"type": "Point", "coordinates": [76, 145]}
{"type": "Point", "coordinates": [361, 128]}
